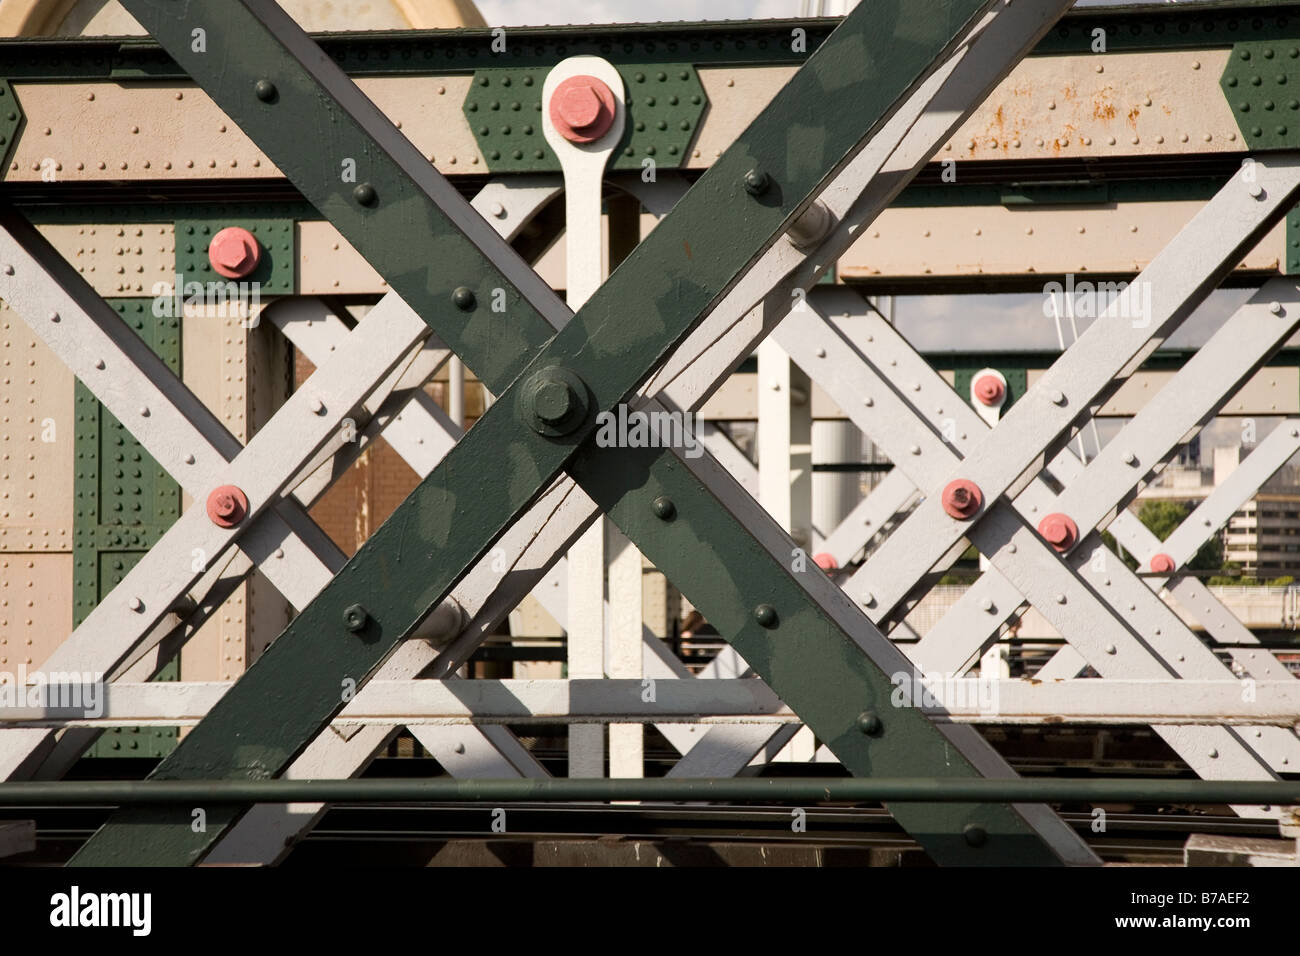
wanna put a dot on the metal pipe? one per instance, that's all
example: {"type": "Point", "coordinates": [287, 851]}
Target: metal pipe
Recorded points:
{"type": "Point", "coordinates": [799, 790]}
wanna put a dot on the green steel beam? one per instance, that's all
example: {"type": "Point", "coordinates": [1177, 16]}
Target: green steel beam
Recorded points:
{"type": "Point", "coordinates": [652, 301]}
{"type": "Point", "coordinates": [725, 43]}
{"type": "Point", "coordinates": [938, 790]}
{"type": "Point", "coordinates": [123, 502]}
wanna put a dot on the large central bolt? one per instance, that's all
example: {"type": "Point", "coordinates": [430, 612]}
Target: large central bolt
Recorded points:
{"type": "Point", "coordinates": [989, 390]}
{"type": "Point", "coordinates": [961, 499]}
{"type": "Point", "coordinates": [227, 506]}
{"type": "Point", "coordinates": [582, 109]}
{"type": "Point", "coordinates": [554, 401]}
{"type": "Point", "coordinates": [1059, 531]}
{"type": "Point", "coordinates": [234, 252]}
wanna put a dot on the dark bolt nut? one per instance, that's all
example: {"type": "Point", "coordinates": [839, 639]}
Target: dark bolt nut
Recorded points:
{"type": "Point", "coordinates": [463, 298]}
{"type": "Point", "coordinates": [355, 617]}
{"type": "Point", "coordinates": [869, 723]}
{"type": "Point", "coordinates": [265, 90]}
{"type": "Point", "coordinates": [364, 193]}
{"type": "Point", "coordinates": [756, 182]}
{"type": "Point", "coordinates": [554, 401]}
{"type": "Point", "coordinates": [975, 834]}
{"type": "Point", "coordinates": [664, 507]}
{"type": "Point", "coordinates": [765, 615]}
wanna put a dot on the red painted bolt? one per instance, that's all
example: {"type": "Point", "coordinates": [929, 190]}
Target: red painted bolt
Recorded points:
{"type": "Point", "coordinates": [826, 561]}
{"type": "Point", "coordinates": [582, 109]}
{"type": "Point", "coordinates": [234, 252]}
{"type": "Point", "coordinates": [1162, 563]}
{"type": "Point", "coordinates": [227, 506]}
{"type": "Point", "coordinates": [989, 390]}
{"type": "Point", "coordinates": [1059, 531]}
{"type": "Point", "coordinates": [962, 499]}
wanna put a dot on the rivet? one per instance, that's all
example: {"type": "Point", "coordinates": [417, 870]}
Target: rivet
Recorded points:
{"type": "Point", "coordinates": [1130, 458]}
{"type": "Point", "coordinates": [867, 599]}
{"type": "Point", "coordinates": [1058, 398]}
{"type": "Point", "coordinates": [1110, 648]}
{"type": "Point", "coordinates": [664, 508]}
{"type": "Point", "coordinates": [54, 316]}
{"type": "Point", "coordinates": [463, 298]}
{"type": "Point", "coordinates": [975, 835]}
{"type": "Point", "coordinates": [986, 605]}
{"type": "Point", "coordinates": [765, 615]}
{"type": "Point", "coordinates": [869, 723]}
{"type": "Point", "coordinates": [135, 604]}
{"type": "Point", "coordinates": [498, 210]}
{"type": "Point", "coordinates": [961, 499]}
{"type": "Point", "coordinates": [265, 90]}
{"type": "Point", "coordinates": [757, 182]}
{"type": "Point", "coordinates": [1275, 308]}
{"type": "Point", "coordinates": [1060, 599]}
{"type": "Point", "coordinates": [364, 193]}
{"type": "Point", "coordinates": [1213, 753]}
{"type": "Point", "coordinates": [317, 406]}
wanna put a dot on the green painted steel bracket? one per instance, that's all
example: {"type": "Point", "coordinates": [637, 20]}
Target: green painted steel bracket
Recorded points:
{"type": "Point", "coordinates": [11, 124]}
{"type": "Point", "coordinates": [123, 502]}
{"type": "Point", "coordinates": [549, 394]}
{"type": "Point", "coordinates": [276, 272]}
{"type": "Point", "coordinates": [1292, 264]}
{"type": "Point", "coordinates": [1262, 86]}
{"type": "Point", "coordinates": [664, 104]}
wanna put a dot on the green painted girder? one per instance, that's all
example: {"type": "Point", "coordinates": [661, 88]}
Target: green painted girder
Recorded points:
{"type": "Point", "coordinates": [647, 307]}
{"type": "Point", "coordinates": [123, 502]}
{"type": "Point", "coordinates": [721, 43]}
{"type": "Point", "coordinates": [1262, 85]}
{"type": "Point", "coordinates": [11, 124]}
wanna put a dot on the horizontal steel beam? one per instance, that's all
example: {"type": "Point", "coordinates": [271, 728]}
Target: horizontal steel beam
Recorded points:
{"type": "Point", "coordinates": [718, 701]}
{"type": "Point", "coordinates": [199, 793]}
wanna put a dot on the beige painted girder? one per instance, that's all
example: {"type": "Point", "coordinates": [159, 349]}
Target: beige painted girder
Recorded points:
{"type": "Point", "coordinates": [1105, 238]}
{"type": "Point", "coordinates": [1093, 106]}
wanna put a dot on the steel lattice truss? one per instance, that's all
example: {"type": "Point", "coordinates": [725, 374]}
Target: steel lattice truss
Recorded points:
{"type": "Point", "coordinates": [717, 276]}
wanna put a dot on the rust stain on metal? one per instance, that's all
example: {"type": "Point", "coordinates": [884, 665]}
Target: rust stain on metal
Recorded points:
{"type": "Point", "coordinates": [687, 247]}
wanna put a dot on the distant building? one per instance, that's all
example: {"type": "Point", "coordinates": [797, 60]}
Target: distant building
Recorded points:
{"type": "Point", "coordinates": [1264, 536]}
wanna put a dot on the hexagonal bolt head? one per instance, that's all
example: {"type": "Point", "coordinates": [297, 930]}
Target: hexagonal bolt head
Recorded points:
{"type": "Point", "coordinates": [234, 252]}
{"type": "Point", "coordinates": [227, 506]}
{"type": "Point", "coordinates": [582, 109]}
{"type": "Point", "coordinates": [1059, 531]}
{"type": "Point", "coordinates": [1163, 563]}
{"type": "Point", "coordinates": [355, 618]}
{"type": "Point", "coordinates": [962, 499]}
{"type": "Point", "coordinates": [554, 401]}
{"type": "Point", "coordinates": [989, 390]}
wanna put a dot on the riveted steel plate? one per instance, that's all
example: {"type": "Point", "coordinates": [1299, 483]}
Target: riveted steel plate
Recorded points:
{"type": "Point", "coordinates": [664, 101]}
{"type": "Point", "coordinates": [275, 273]}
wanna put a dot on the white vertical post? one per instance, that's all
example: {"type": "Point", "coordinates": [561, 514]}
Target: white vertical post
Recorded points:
{"type": "Point", "coordinates": [834, 494]}
{"type": "Point", "coordinates": [456, 391]}
{"type": "Point", "coordinates": [785, 469]}
{"type": "Point", "coordinates": [585, 268]}
{"type": "Point", "coordinates": [626, 741]}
